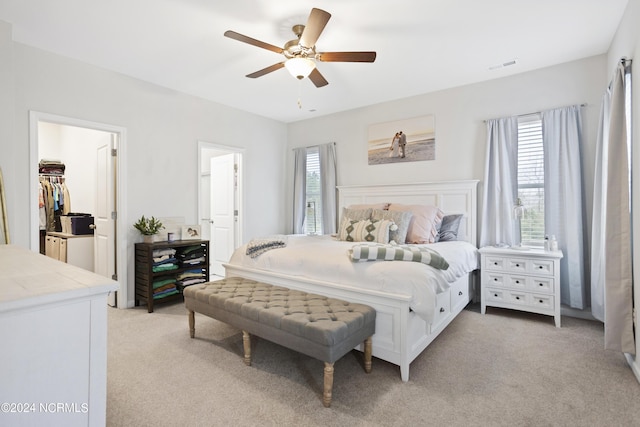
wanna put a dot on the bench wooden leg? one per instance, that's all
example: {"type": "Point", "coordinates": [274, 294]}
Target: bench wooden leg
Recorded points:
{"type": "Point", "coordinates": [192, 323]}
{"type": "Point", "coordinates": [367, 355]}
{"type": "Point", "coordinates": [246, 340]}
{"type": "Point", "coordinates": [328, 384]}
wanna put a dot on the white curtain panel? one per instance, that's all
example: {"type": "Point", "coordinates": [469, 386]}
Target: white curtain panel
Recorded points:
{"type": "Point", "coordinates": [618, 323]}
{"type": "Point", "coordinates": [562, 136]}
{"type": "Point", "coordinates": [299, 189]}
{"type": "Point", "coordinates": [500, 183]}
{"type": "Point", "coordinates": [598, 224]}
{"type": "Point", "coordinates": [328, 174]}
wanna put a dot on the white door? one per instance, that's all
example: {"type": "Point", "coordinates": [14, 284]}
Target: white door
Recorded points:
{"type": "Point", "coordinates": [104, 241]}
{"type": "Point", "coordinates": [222, 237]}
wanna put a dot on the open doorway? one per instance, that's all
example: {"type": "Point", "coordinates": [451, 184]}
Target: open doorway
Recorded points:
{"type": "Point", "coordinates": [220, 200]}
{"type": "Point", "coordinates": [82, 161]}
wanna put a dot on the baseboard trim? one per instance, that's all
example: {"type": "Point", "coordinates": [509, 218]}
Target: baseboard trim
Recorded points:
{"type": "Point", "coordinates": [574, 312]}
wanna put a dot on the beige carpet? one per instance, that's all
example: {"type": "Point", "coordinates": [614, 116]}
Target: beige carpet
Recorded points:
{"type": "Point", "coordinates": [505, 368]}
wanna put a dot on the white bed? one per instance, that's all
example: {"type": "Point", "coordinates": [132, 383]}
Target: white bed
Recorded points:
{"type": "Point", "coordinates": [411, 314]}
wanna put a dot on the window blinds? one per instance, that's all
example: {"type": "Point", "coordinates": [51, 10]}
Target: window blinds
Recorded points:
{"type": "Point", "coordinates": [531, 178]}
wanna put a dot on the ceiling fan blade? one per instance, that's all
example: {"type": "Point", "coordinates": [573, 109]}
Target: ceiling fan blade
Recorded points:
{"type": "Point", "coordinates": [346, 56]}
{"type": "Point", "coordinates": [251, 41]}
{"type": "Point", "coordinates": [317, 78]}
{"type": "Point", "coordinates": [267, 70]}
{"type": "Point", "coordinates": [318, 19]}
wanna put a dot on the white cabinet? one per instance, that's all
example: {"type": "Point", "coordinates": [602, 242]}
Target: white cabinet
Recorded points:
{"type": "Point", "coordinates": [71, 248]}
{"type": "Point", "coordinates": [53, 330]}
{"type": "Point", "coordinates": [527, 280]}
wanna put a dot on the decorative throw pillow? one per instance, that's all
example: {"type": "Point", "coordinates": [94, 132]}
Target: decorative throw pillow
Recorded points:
{"type": "Point", "coordinates": [357, 214]}
{"type": "Point", "coordinates": [367, 230]}
{"type": "Point", "coordinates": [400, 218]}
{"type": "Point", "coordinates": [449, 228]}
{"type": "Point", "coordinates": [424, 223]}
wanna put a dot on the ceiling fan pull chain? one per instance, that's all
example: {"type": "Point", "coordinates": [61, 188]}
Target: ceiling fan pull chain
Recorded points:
{"type": "Point", "coordinates": [300, 94]}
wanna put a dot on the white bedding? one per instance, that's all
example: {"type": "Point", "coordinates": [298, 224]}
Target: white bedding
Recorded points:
{"type": "Point", "coordinates": [326, 258]}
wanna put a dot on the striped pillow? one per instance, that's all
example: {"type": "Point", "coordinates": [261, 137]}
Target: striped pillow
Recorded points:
{"type": "Point", "coordinates": [367, 230]}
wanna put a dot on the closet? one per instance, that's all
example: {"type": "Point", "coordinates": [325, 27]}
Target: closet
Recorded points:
{"type": "Point", "coordinates": [58, 239]}
{"type": "Point", "coordinates": [67, 170]}
{"type": "Point", "coordinates": [88, 151]}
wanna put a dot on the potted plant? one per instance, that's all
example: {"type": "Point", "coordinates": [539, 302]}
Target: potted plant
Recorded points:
{"type": "Point", "coordinates": [148, 227]}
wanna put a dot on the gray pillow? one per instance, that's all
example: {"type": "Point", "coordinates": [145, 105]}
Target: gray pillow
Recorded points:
{"type": "Point", "coordinates": [357, 214]}
{"type": "Point", "coordinates": [400, 218]}
{"type": "Point", "coordinates": [449, 228]}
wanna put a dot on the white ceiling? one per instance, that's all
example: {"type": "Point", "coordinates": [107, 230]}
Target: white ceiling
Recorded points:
{"type": "Point", "coordinates": [422, 45]}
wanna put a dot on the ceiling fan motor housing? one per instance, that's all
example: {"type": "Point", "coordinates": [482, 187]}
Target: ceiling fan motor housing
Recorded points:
{"type": "Point", "coordinates": [293, 48]}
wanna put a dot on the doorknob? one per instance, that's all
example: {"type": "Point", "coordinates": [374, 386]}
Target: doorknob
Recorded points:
{"type": "Point", "coordinates": [92, 226]}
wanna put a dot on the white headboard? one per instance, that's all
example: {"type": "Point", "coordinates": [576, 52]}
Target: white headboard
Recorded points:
{"type": "Point", "coordinates": [453, 197]}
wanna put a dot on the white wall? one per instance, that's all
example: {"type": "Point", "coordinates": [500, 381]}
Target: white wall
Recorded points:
{"type": "Point", "coordinates": [79, 152]}
{"type": "Point", "coordinates": [163, 129]}
{"type": "Point", "coordinates": [460, 128]}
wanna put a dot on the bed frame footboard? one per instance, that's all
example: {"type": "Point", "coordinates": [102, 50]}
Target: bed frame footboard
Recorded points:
{"type": "Point", "coordinates": [401, 335]}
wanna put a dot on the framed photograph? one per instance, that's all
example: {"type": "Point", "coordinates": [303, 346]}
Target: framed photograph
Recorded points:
{"type": "Point", "coordinates": [411, 140]}
{"type": "Point", "coordinates": [191, 232]}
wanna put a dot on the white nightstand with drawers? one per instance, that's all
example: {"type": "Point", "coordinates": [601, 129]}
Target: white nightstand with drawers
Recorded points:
{"type": "Point", "coordinates": [527, 280]}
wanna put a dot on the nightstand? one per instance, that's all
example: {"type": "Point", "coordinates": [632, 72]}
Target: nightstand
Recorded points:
{"type": "Point", "coordinates": [527, 280]}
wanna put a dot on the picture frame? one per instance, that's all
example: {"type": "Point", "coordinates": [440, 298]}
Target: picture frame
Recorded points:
{"type": "Point", "coordinates": [190, 232]}
{"type": "Point", "coordinates": [172, 225]}
{"type": "Point", "coordinates": [418, 141]}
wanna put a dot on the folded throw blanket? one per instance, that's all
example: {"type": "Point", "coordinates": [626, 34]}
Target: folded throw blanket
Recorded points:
{"type": "Point", "coordinates": [384, 252]}
{"type": "Point", "coordinates": [258, 246]}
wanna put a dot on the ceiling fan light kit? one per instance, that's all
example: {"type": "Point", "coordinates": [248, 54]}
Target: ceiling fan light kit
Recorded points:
{"type": "Point", "coordinates": [300, 54]}
{"type": "Point", "coordinates": [300, 67]}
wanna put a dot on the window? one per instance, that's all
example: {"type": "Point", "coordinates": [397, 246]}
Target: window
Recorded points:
{"type": "Point", "coordinates": [531, 179]}
{"type": "Point", "coordinates": [313, 217]}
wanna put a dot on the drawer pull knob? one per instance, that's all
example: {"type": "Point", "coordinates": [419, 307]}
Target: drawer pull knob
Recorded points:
{"type": "Point", "coordinates": [540, 284]}
{"type": "Point", "coordinates": [517, 265]}
{"type": "Point", "coordinates": [441, 309]}
{"type": "Point", "coordinates": [495, 263]}
{"type": "Point", "coordinates": [540, 267]}
{"type": "Point", "coordinates": [517, 298]}
{"type": "Point", "coordinates": [517, 281]}
{"type": "Point", "coordinates": [495, 279]}
{"type": "Point", "coordinates": [541, 301]}
{"type": "Point", "coordinates": [459, 293]}
{"type": "Point", "coordinates": [495, 295]}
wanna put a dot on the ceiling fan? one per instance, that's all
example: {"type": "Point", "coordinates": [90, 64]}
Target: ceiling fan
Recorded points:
{"type": "Point", "coordinates": [300, 53]}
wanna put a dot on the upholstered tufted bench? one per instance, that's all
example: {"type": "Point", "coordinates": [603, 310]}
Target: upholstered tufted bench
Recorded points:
{"type": "Point", "coordinates": [320, 327]}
